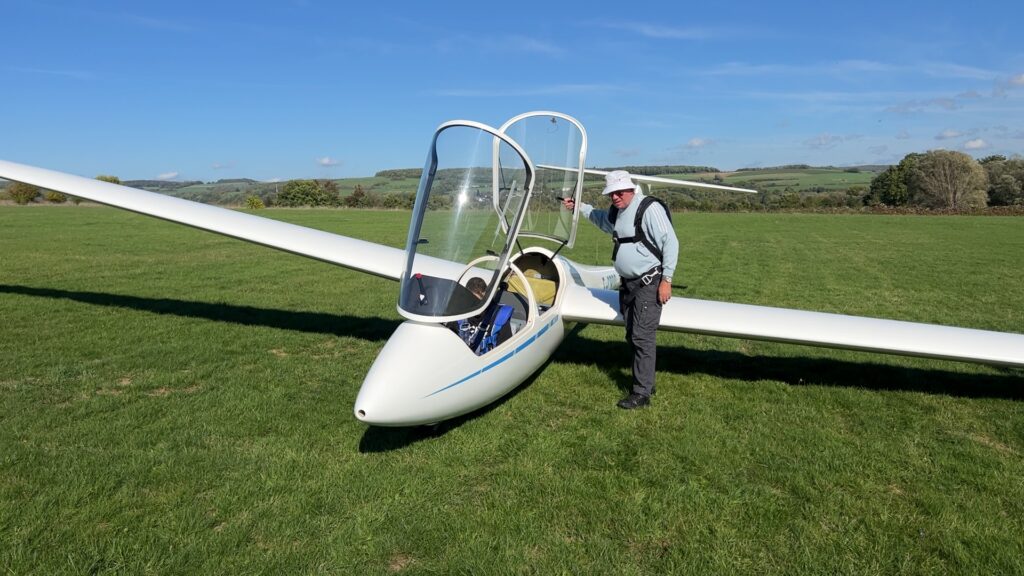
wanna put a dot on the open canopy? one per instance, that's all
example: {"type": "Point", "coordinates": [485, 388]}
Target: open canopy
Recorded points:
{"type": "Point", "coordinates": [551, 139]}
{"type": "Point", "coordinates": [474, 188]}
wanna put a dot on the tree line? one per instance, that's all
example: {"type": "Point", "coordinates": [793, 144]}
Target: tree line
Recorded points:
{"type": "Point", "coordinates": [937, 179]}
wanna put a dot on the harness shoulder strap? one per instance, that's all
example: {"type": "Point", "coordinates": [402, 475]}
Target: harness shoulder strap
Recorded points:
{"type": "Point", "coordinates": [638, 225]}
{"type": "Point", "coordinates": [638, 230]}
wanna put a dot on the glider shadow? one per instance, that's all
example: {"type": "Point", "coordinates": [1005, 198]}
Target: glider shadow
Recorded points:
{"type": "Point", "coordinates": [375, 329]}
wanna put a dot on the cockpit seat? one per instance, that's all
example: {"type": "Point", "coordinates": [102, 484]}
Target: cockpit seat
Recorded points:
{"type": "Point", "coordinates": [518, 303]}
{"type": "Point", "coordinates": [544, 290]}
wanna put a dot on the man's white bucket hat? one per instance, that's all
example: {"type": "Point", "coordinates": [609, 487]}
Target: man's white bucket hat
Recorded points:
{"type": "Point", "coordinates": [617, 180]}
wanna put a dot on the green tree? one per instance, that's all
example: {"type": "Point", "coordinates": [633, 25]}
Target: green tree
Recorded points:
{"type": "Point", "coordinates": [22, 193]}
{"type": "Point", "coordinates": [108, 178]}
{"type": "Point", "coordinates": [329, 190]}
{"type": "Point", "coordinates": [254, 203]}
{"type": "Point", "coordinates": [948, 179]}
{"type": "Point", "coordinates": [1006, 179]}
{"type": "Point", "coordinates": [894, 185]}
{"type": "Point", "coordinates": [888, 188]}
{"type": "Point", "coordinates": [357, 198]}
{"type": "Point", "coordinates": [1006, 190]}
{"type": "Point", "coordinates": [55, 197]}
{"type": "Point", "coordinates": [303, 193]}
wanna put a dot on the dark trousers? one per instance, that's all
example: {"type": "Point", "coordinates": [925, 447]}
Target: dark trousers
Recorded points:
{"type": "Point", "coordinates": [642, 313]}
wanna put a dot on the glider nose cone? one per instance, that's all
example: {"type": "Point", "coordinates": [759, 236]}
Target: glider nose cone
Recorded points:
{"type": "Point", "coordinates": [417, 360]}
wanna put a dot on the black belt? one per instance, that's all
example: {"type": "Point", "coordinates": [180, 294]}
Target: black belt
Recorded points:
{"type": "Point", "coordinates": [646, 277]}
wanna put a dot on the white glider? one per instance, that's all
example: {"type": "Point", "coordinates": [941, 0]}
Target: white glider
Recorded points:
{"type": "Point", "coordinates": [481, 313]}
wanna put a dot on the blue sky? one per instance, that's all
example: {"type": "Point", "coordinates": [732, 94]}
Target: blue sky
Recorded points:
{"type": "Point", "coordinates": [292, 89]}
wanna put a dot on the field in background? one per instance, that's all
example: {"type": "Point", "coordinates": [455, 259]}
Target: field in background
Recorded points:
{"type": "Point", "coordinates": [178, 402]}
{"type": "Point", "coordinates": [234, 192]}
{"type": "Point", "coordinates": [781, 179]}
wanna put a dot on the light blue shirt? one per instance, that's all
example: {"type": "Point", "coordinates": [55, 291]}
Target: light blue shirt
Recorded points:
{"type": "Point", "coordinates": [634, 259]}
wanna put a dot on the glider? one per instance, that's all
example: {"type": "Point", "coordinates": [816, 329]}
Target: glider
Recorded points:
{"type": "Point", "coordinates": [482, 312]}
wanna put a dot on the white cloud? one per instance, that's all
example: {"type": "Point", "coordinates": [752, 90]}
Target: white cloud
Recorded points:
{"type": "Point", "coordinates": [823, 141]}
{"type": "Point", "coordinates": [921, 105]}
{"type": "Point", "coordinates": [222, 165]}
{"type": "Point", "coordinates": [659, 31]}
{"type": "Point", "coordinates": [838, 68]}
{"type": "Point", "coordinates": [969, 94]}
{"type": "Point", "coordinates": [536, 91]}
{"type": "Point", "coordinates": [951, 70]}
{"type": "Point", "coordinates": [167, 176]}
{"type": "Point", "coordinates": [976, 144]}
{"type": "Point", "coordinates": [626, 152]}
{"type": "Point", "coordinates": [1011, 83]}
{"type": "Point", "coordinates": [903, 135]}
{"type": "Point", "coordinates": [947, 134]}
{"type": "Point", "coordinates": [509, 43]}
{"type": "Point", "coordinates": [852, 67]}
{"type": "Point", "coordinates": [157, 23]}
{"type": "Point", "coordinates": [826, 141]}
{"type": "Point", "coordinates": [76, 74]}
{"type": "Point", "coordinates": [528, 44]}
{"type": "Point", "coordinates": [698, 143]}
{"type": "Point", "coordinates": [327, 161]}
{"type": "Point", "coordinates": [878, 150]}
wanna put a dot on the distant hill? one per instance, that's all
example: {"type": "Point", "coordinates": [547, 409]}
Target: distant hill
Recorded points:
{"type": "Point", "coordinates": [801, 179]}
{"type": "Point", "coordinates": [160, 185]}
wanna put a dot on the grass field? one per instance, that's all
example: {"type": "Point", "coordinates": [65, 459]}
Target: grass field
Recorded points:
{"type": "Point", "coordinates": [175, 402]}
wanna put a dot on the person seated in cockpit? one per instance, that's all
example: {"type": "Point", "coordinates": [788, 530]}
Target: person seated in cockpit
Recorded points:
{"type": "Point", "coordinates": [466, 328]}
{"type": "Point", "coordinates": [477, 287]}
{"type": "Point", "coordinates": [476, 329]}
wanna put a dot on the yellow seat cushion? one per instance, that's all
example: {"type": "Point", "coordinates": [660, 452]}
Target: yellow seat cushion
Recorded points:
{"type": "Point", "coordinates": [543, 289]}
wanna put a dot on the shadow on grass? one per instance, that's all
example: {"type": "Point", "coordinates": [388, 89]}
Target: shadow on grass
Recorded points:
{"type": "Point", "coordinates": [376, 329]}
{"type": "Point", "coordinates": [611, 357]}
{"type": "Point", "coordinates": [797, 371]}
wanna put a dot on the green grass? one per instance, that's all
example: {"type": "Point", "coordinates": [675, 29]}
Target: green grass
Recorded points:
{"type": "Point", "coordinates": [175, 402]}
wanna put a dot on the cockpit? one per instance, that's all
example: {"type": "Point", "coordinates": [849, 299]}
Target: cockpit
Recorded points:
{"type": "Point", "coordinates": [482, 194]}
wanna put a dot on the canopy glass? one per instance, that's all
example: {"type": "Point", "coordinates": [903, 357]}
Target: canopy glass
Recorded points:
{"type": "Point", "coordinates": [556, 144]}
{"type": "Point", "coordinates": [474, 187]}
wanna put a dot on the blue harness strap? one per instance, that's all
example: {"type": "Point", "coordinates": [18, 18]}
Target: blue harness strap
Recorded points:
{"type": "Point", "coordinates": [501, 318]}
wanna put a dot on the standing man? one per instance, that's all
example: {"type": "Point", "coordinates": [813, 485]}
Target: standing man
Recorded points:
{"type": "Point", "coordinates": [645, 252]}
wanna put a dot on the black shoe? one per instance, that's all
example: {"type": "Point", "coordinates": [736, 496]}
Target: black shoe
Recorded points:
{"type": "Point", "coordinates": [634, 401]}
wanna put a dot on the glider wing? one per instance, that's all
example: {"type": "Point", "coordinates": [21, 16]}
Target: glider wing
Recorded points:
{"type": "Point", "coordinates": [360, 255]}
{"type": "Point", "coordinates": [594, 305]}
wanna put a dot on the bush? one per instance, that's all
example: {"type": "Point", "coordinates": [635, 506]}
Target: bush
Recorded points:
{"type": "Point", "coordinates": [308, 193]}
{"type": "Point", "coordinates": [22, 193]}
{"type": "Point", "coordinates": [254, 203]}
{"type": "Point", "coordinates": [55, 197]}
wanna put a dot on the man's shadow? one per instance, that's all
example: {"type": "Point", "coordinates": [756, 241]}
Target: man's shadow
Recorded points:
{"type": "Point", "coordinates": [616, 358]}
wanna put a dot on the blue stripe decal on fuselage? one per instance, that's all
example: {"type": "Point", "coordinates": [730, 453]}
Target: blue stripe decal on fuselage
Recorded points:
{"type": "Point", "coordinates": [529, 341]}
